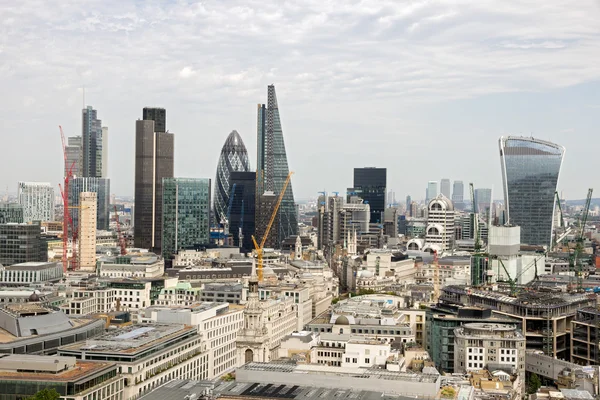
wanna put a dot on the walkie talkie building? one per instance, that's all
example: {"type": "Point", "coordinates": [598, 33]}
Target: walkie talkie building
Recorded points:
{"type": "Point", "coordinates": [530, 170]}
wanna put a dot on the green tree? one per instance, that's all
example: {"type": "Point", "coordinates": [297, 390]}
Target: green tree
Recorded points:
{"type": "Point", "coordinates": [533, 383]}
{"type": "Point", "coordinates": [46, 394]}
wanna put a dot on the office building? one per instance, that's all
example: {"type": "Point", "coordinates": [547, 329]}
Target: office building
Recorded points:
{"type": "Point", "coordinates": [132, 265]}
{"type": "Point", "coordinates": [11, 213]}
{"type": "Point", "coordinates": [370, 185]}
{"type": "Point", "coordinates": [100, 186]}
{"type": "Point", "coordinates": [37, 200]}
{"type": "Point", "coordinates": [186, 214]}
{"type": "Point", "coordinates": [458, 192]}
{"type": "Point", "coordinates": [87, 231]}
{"type": "Point", "coordinates": [233, 158]}
{"type": "Point", "coordinates": [25, 274]}
{"type": "Point", "coordinates": [530, 170]}
{"type": "Point", "coordinates": [440, 223]}
{"type": "Point", "coordinates": [241, 219]}
{"type": "Point", "coordinates": [21, 243]}
{"type": "Point", "coordinates": [272, 171]}
{"type": "Point", "coordinates": [92, 144]}
{"type": "Point", "coordinates": [483, 201]}
{"type": "Point", "coordinates": [445, 187]}
{"type": "Point", "coordinates": [23, 376]}
{"type": "Point", "coordinates": [153, 162]}
{"type": "Point", "coordinates": [408, 204]}
{"type": "Point", "coordinates": [74, 150]}
{"type": "Point", "coordinates": [432, 191]}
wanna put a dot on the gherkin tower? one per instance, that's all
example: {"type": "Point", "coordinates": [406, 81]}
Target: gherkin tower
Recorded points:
{"type": "Point", "coordinates": [234, 158]}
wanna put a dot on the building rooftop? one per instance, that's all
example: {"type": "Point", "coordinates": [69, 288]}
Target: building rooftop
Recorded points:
{"type": "Point", "coordinates": [31, 266]}
{"type": "Point", "coordinates": [75, 369]}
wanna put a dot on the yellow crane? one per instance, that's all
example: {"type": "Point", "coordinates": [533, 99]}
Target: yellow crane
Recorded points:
{"type": "Point", "coordinates": [259, 248]}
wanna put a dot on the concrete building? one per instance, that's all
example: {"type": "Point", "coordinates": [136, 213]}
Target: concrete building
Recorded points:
{"type": "Point", "coordinates": [565, 374]}
{"type": "Point", "coordinates": [27, 273]}
{"type": "Point", "coordinates": [147, 355]}
{"type": "Point", "coordinates": [182, 294]}
{"type": "Point", "coordinates": [491, 346]}
{"type": "Point", "coordinates": [23, 376]}
{"type": "Point", "coordinates": [232, 293]}
{"type": "Point", "coordinates": [445, 188]}
{"type": "Point", "coordinates": [432, 191]}
{"type": "Point", "coordinates": [299, 294]}
{"type": "Point", "coordinates": [451, 270]}
{"type": "Point", "coordinates": [440, 224]}
{"type": "Point", "coordinates": [90, 300]}
{"type": "Point", "coordinates": [458, 192]}
{"type": "Point", "coordinates": [11, 213]}
{"type": "Point", "coordinates": [20, 243]}
{"type": "Point", "coordinates": [133, 265]}
{"type": "Point", "coordinates": [87, 231]}
{"type": "Point", "coordinates": [584, 337]}
{"type": "Point", "coordinates": [37, 200]}
{"type": "Point", "coordinates": [74, 150]}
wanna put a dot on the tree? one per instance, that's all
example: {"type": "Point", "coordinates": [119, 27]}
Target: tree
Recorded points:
{"type": "Point", "coordinates": [45, 394]}
{"type": "Point", "coordinates": [533, 383]}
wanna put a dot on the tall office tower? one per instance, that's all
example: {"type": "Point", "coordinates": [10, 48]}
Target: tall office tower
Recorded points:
{"type": "Point", "coordinates": [74, 151]}
{"type": "Point", "coordinates": [87, 231]}
{"type": "Point", "coordinates": [440, 223]}
{"type": "Point", "coordinates": [104, 151]}
{"type": "Point", "coordinates": [458, 192]}
{"type": "Point", "coordinates": [37, 199]}
{"type": "Point", "coordinates": [370, 185]}
{"type": "Point", "coordinates": [432, 191]}
{"type": "Point", "coordinates": [445, 187]}
{"type": "Point", "coordinates": [100, 186]}
{"type": "Point", "coordinates": [153, 162]}
{"type": "Point", "coordinates": [483, 199]}
{"type": "Point", "coordinates": [408, 203]}
{"type": "Point", "coordinates": [243, 206]}
{"type": "Point", "coordinates": [185, 213]}
{"type": "Point", "coordinates": [530, 170]}
{"type": "Point", "coordinates": [11, 213]}
{"type": "Point", "coordinates": [234, 157]}
{"type": "Point", "coordinates": [271, 173]}
{"type": "Point", "coordinates": [21, 243]}
{"type": "Point", "coordinates": [92, 150]}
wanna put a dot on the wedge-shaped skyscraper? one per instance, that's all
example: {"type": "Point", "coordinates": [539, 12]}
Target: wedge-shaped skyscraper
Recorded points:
{"type": "Point", "coordinates": [234, 158]}
{"type": "Point", "coordinates": [272, 171]}
{"type": "Point", "coordinates": [530, 170]}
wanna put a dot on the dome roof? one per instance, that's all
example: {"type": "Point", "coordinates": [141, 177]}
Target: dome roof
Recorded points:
{"type": "Point", "coordinates": [35, 296]}
{"type": "Point", "coordinates": [440, 202]}
{"type": "Point", "coordinates": [342, 320]}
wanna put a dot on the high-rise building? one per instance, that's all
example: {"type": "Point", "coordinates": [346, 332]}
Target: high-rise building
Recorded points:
{"type": "Point", "coordinates": [530, 170]}
{"type": "Point", "coordinates": [445, 187]}
{"type": "Point", "coordinates": [370, 185]}
{"type": "Point", "coordinates": [153, 162]}
{"type": "Point", "coordinates": [186, 214]}
{"type": "Point", "coordinates": [87, 231]}
{"type": "Point", "coordinates": [92, 144]}
{"type": "Point", "coordinates": [11, 213]}
{"type": "Point", "coordinates": [458, 192]}
{"type": "Point", "coordinates": [243, 209]}
{"type": "Point", "coordinates": [74, 149]}
{"type": "Point", "coordinates": [272, 171]}
{"type": "Point", "coordinates": [234, 157]}
{"type": "Point", "coordinates": [104, 151]}
{"type": "Point", "coordinates": [440, 223]}
{"type": "Point", "coordinates": [21, 243]}
{"type": "Point", "coordinates": [432, 191]}
{"type": "Point", "coordinates": [483, 200]}
{"type": "Point", "coordinates": [37, 199]}
{"type": "Point", "coordinates": [100, 186]}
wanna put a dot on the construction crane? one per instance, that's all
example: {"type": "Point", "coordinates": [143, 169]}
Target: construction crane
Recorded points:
{"type": "Point", "coordinates": [65, 198]}
{"type": "Point", "coordinates": [558, 239]}
{"type": "Point", "coordinates": [513, 282]}
{"type": "Point", "coordinates": [576, 263]}
{"type": "Point", "coordinates": [259, 248]}
{"type": "Point", "coordinates": [225, 218]}
{"type": "Point", "coordinates": [74, 238]}
{"type": "Point", "coordinates": [475, 220]}
{"type": "Point", "coordinates": [121, 238]}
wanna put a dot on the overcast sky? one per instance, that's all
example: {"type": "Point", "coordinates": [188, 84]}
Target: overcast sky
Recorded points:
{"type": "Point", "coordinates": [424, 88]}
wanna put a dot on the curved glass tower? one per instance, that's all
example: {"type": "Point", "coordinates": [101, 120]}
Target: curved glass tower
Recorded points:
{"type": "Point", "coordinates": [530, 170]}
{"type": "Point", "coordinates": [234, 157]}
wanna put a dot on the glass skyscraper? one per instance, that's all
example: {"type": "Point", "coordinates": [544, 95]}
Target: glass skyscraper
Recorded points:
{"type": "Point", "coordinates": [272, 171]}
{"type": "Point", "coordinates": [185, 213]}
{"type": "Point", "coordinates": [234, 158]}
{"type": "Point", "coordinates": [11, 212]}
{"type": "Point", "coordinates": [243, 209]}
{"type": "Point", "coordinates": [530, 170]}
{"type": "Point", "coordinates": [370, 185]}
{"type": "Point", "coordinates": [92, 144]}
{"type": "Point", "coordinates": [100, 186]}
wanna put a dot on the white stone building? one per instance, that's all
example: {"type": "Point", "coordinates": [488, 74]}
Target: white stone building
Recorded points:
{"type": "Point", "coordinates": [135, 265]}
{"type": "Point", "coordinates": [37, 199]}
{"type": "Point", "coordinates": [439, 234]}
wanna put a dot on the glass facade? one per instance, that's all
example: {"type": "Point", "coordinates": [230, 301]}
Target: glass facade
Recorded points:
{"type": "Point", "coordinates": [234, 158]}
{"type": "Point", "coordinates": [530, 170]}
{"type": "Point", "coordinates": [21, 243]}
{"type": "Point", "coordinates": [186, 214]}
{"type": "Point", "coordinates": [242, 209]}
{"type": "Point", "coordinates": [11, 212]}
{"type": "Point", "coordinates": [92, 143]}
{"type": "Point", "coordinates": [100, 186]}
{"type": "Point", "coordinates": [370, 185]}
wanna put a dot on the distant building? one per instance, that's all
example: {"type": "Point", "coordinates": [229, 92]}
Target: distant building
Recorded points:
{"type": "Point", "coordinates": [483, 201]}
{"type": "Point", "coordinates": [243, 209]}
{"type": "Point", "coordinates": [530, 170]}
{"type": "Point", "coordinates": [27, 273]}
{"type": "Point", "coordinates": [232, 293]}
{"type": "Point", "coordinates": [11, 213]}
{"type": "Point", "coordinates": [458, 192]}
{"type": "Point", "coordinates": [21, 243]}
{"type": "Point", "coordinates": [100, 186]}
{"type": "Point", "coordinates": [141, 265]}
{"type": "Point", "coordinates": [37, 199]}
{"type": "Point", "coordinates": [74, 150]}
{"type": "Point", "coordinates": [87, 231]}
{"type": "Point", "coordinates": [185, 213]}
{"type": "Point", "coordinates": [432, 191]}
{"type": "Point", "coordinates": [408, 204]}
{"type": "Point", "coordinates": [440, 223]}
{"type": "Point", "coordinates": [445, 187]}
{"type": "Point", "coordinates": [92, 144]}
{"type": "Point", "coordinates": [153, 161]}
{"type": "Point", "coordinates": [370, 185]}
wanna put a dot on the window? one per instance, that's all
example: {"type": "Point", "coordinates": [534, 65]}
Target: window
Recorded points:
{"type": "Point", "coordinates": [367, 361]}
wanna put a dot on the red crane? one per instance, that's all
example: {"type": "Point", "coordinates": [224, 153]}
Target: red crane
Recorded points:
{"type": "Point", "coordinates": [122, 242]}
{"type": "Point", "coordinates": [65, 197]}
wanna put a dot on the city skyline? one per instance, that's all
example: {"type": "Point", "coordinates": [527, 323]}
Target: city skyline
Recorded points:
{"type": "Point", "coordinates": [462, 104]}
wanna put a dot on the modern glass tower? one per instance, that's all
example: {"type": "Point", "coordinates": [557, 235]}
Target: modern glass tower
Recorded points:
{"type": "Point", "coordinates": [458, 192]}
{"type": "Point", "coordinates": [530, 170]}
{"type": "Point", "coordinates": [370, 185]}
{"type": "Point", "coordinates": [185, 213]}
{"type": "Point", "coordinates": [272, 171]}
{"type": "Point", "coordinates": [100, 186]}
{"type": "Point", "coordinates": [234, 158]}
{"type": "Point", "coordinates": [92, 144]}
{"type": "Point", "coordinates": [445, 187]}
{"type": "Point", "coordinates": [243, 209]}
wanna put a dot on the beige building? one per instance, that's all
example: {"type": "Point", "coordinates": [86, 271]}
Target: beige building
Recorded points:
{"type": "Point", "coordinates": [87, 231]}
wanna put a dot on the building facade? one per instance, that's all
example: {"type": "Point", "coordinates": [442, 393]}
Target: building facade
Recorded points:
{"type": "Point", "coordinates": [186, 214]}
{"type": "Point", "coordinates": [243, 206]}
{"type": "Point", "coordinates": [530, 170]}
{"type": "Point", "coordinates": [440, 223]}
{"type": "Point", "coordinates": [370, 185]}
{"type": "Point", "coordinates": [432, 190]}
{"type": "Point", "coordinates": [21, 243]}
{"type": "Point", "coordinates": [154, 148]}
{"type": "Point", "coordinates": [24, 274]}
{"type": "Point", "coordinates": [92, 144]}
{"type": "Point", "coordinates": [11, 213]}
{"type": "Point", "coordinates": [74, 150]}
{"type": "Point", "coordinates": [87, 231]}
{"type": "Point", "coordinates": [272, 170]}
{"type": "Point", "coordinates": [458, 192]}
{"type": "Point", "coordinates": [37, 200]}
{"type": "Point", "coordinates": [100, 186]}
{"type": "Point", "coordinates": [445, 187]}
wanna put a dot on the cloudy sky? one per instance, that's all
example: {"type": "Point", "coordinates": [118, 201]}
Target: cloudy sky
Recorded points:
{"type": "Point", "coordinates": [422, 87]}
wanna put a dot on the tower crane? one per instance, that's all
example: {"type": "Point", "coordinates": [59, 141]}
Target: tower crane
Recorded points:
{"type": "Point", "coordinates": [513, 282]}
{"type": "Point", "coordinates": [121, 238]}
{"type": "Point", "coordinates": [575, 261]}
{"type": "Point", "coordinates": [259, 248]}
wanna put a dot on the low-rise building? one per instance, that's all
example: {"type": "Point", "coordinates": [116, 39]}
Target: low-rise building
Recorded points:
{"type": "Point", "coordinates": [90, 300]}
{"type": "Point", "coordinates": [22, 376]}
{"type": "Point", "coordinates": [452, 270]}
{"type": "Point", "coordinates": [30, 272]}
{"type": "Point", "coordinates": [20, 243]}
{"type": "Point", "coordinates": [232, 293]}
{"type": "Point", "coordinates": [136, 265]}
{"type": "Point", "coordinates": [182, 294]}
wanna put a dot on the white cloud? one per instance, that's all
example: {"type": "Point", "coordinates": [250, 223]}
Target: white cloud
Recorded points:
{"type": "Point", "coordinates": [187, 72]}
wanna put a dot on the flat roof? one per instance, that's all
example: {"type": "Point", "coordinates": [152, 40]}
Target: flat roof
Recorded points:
{"type": "Point", "coordinates": [31, 266]}
{"type": "Point", "coordinates": [81, 370]}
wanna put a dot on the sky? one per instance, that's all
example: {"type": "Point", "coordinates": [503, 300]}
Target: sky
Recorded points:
{"type": "Point", "coordinates": [424, 88]}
